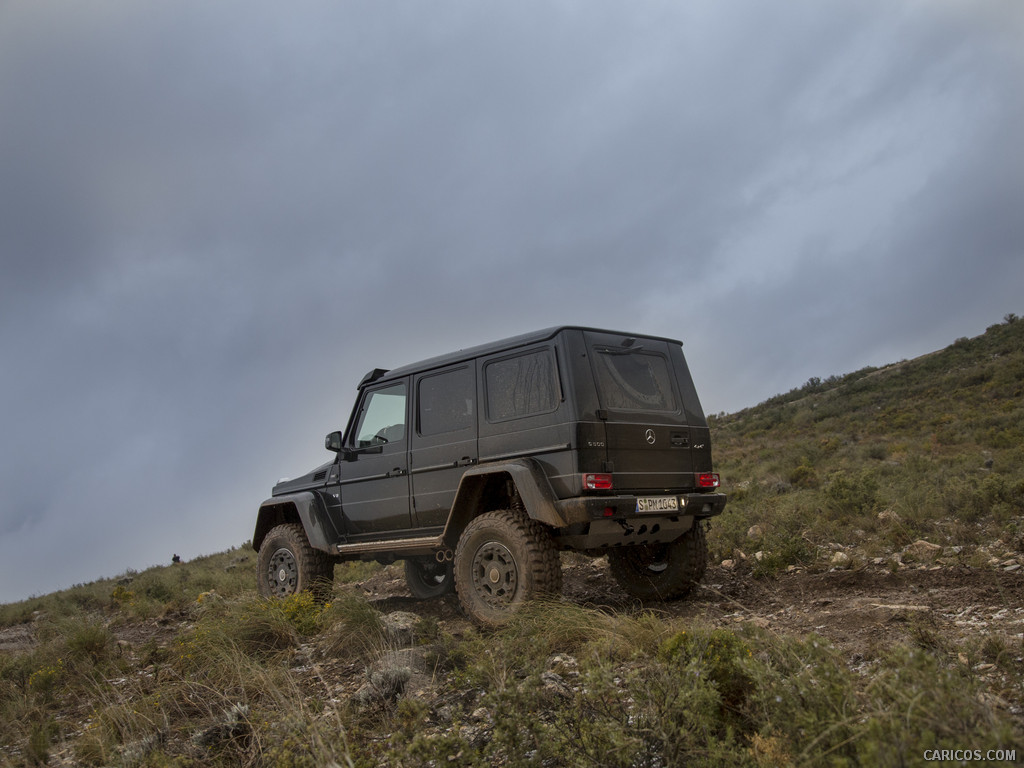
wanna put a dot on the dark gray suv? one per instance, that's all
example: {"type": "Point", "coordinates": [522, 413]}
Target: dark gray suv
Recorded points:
{"type": "Point", "coordinates": [477, 467]}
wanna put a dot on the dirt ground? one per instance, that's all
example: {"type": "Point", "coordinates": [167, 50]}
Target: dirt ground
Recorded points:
{"type": "Point", "coordinates": [856, 609]}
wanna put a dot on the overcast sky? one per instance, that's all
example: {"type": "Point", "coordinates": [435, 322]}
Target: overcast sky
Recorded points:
{"type": "Point", "coordinates": [216, 217]}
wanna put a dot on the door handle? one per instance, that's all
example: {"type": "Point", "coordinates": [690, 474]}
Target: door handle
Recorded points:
{"type": "Point", "coordinates": [397, 472]}
{"type": "Point", "coordinates": [465, 461]}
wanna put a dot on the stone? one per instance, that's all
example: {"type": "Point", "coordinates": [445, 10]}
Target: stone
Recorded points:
{"type": "Point", "coordinates": [840, 560]}
{"type": "Point", "coordinates": [400, 627]}
{"type": "Point", "coordinates": [555, 683]}
{"type": "Point", "coordinates": [923, 550]}
{"type": "Point", "coordinates": [565, 665]}
{"type": "Point", "coordinates": [755, 532]}
{"type": "Point", "coordinates": [728, 565]}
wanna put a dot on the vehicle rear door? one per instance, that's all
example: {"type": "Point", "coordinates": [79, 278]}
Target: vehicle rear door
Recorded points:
{"type": "Point", "coordinates": [443, 441]}
{"type": "Point", "coordinates": [647, 437]}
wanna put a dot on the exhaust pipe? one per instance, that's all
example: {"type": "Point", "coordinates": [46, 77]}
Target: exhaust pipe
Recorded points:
{"type": "Point", "coordinates": [444, 555]}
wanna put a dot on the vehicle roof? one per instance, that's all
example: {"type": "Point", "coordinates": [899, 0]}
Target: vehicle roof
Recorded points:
{"type": "Point", "coordinates": [501, 345]}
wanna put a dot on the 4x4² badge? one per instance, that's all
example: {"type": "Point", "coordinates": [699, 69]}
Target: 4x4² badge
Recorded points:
{"type": "Point", "coordinates": [649, 436]}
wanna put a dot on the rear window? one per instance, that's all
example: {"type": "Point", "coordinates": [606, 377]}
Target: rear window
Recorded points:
{"type": "Point", "coordinates": [633, 381]}
{"type": "Point", "coordinates": [520, 386]}
{"type": "Point", "coordinates": [446, 402]}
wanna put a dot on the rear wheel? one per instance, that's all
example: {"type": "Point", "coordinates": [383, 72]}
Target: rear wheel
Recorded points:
{"type": "Point", "coordinates": [662, 571]}
{"type": "Point", "coordinates": [503, 559]}
{"type": "Point", "coordinates": [287, 564]}
{"type": "Point", "coordinates": [429, 578]}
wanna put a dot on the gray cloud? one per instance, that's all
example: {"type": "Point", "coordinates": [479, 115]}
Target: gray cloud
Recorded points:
{"type": "Point", "coordinates": [215, 218]}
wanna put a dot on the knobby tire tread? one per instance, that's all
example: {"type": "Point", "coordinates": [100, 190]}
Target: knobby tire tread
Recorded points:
{"type": "Point", "coordinates": [317, 566]}
{"type": "Point", "coordinates": [542, 569]}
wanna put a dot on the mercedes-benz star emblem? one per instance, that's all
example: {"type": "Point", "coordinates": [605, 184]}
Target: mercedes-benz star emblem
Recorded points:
{"type": "Point", "coordinates": [649, 435]}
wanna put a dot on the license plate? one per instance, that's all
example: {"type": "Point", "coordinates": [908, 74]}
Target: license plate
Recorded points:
{"type": "Point", "coordinates": [657, 504]}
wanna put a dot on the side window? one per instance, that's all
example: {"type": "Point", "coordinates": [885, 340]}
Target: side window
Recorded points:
{"type": "Point", "coordinates": [382, 419]}
{"type": "Point", "coordinates": [446, 402]}
{"type": "Point", "coordinates": [521, 386]}
{"type": "Point", "coordinates": [636, 381]}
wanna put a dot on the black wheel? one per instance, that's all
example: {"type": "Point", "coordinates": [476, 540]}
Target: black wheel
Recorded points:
{"type": "Point", "coordinates": [662, 571]}
{"type": "Point", "coordinates": [504, 558]}
{"type": "Point", "coordinates": [429, 578]}
{"type": "Point", "coordinates": [288, 564]}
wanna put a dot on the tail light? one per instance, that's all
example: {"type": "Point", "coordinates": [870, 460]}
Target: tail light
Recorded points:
{"type": "Point", "coordinates": [708, 480]}
{"type": "Point", "coordinates": [597, 482]}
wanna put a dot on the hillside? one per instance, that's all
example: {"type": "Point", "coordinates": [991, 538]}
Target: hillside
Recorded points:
{"type": "Point", "coordinates": [931, 448]}
{"type": "Point", "coordinates": [865, 604]}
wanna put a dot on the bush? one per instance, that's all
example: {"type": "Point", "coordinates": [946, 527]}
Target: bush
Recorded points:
{"type": "Point", "coordinates": [846, 495]}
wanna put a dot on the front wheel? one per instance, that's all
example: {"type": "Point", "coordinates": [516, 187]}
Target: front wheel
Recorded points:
{"type": "Point", "coordinates": [503, 559]}
{"type": "Point", "coordinates": [428, 578]}
{"type": "Point", "coordinates": [287, 564]}
{"type": "Point", "coordinates": [661, 571]}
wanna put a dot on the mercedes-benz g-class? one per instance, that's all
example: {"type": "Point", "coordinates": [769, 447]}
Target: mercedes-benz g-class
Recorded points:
{"type": "Point", "coordinates": [476, 468]}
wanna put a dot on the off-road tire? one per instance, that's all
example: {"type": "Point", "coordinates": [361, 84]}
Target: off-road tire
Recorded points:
{"type": "Point", "coordinates": [503, 559]}
{"type": "Point", "coordinates": [662, 571]}
{"type": "Point", "coordinates": [428, 579]}
{"type": "Point", "coordinates": [287, 564]}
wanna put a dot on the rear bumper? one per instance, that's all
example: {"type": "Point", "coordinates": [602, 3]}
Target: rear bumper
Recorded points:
{"type": "Point", "coordinates": [583, 509]}
{"type": "Point", "coordinates": [603, 522]}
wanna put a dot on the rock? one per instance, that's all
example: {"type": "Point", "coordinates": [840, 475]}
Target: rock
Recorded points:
{"type": "Point", "coordinates": [840, 560]}
{"type": "Point", "coordinates": [922, 550]}
{"type": "Point", "coordinates": [759, 555]}
{"type": "Point", "coordinates": [728, 565]}
{"type": "Point", "coordinates": [738, 555]}
{"type": "Point", "coordinates": [888, 516]}
{"type": "Point", "coordinates": [555, 683]}
{"type": "Point", "coordinates": [564, 664]}
{"type": "Point", "coordinates": [400, 627]}
{"type": "Point", "coordinates": [755, 532]}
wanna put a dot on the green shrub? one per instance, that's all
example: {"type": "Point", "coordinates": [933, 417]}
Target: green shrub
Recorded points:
{"type": "Point", "coordinates": [846, 495]}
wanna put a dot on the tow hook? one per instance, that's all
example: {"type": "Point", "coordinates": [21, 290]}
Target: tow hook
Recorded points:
{"type": "Point", "coordinates": [444, 555]}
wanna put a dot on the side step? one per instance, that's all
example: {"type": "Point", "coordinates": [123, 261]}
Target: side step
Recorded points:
{"type": "Point", "coordinates": [424, 545]}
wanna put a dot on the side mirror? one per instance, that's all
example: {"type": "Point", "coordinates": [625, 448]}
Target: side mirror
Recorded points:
{"type": "Point", "coordinates": [333, 442]}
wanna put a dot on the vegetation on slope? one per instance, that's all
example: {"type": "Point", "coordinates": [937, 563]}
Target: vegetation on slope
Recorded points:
{"type": "Point", "coordinates": [931, 448]}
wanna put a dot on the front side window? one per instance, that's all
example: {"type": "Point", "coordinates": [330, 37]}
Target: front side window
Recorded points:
{"type": "Point", "coordinates": [521, 386]}
{"type": "Point", "coordinates": [446, 402]}
{"type": "Point", "coordinates": [382, 419]}
{"type": "Point", "coordinates": [633, 381]}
